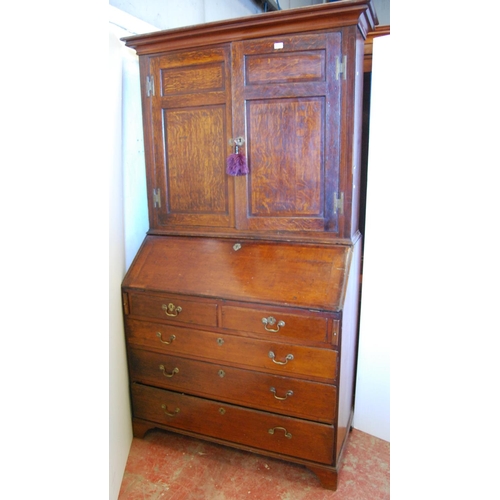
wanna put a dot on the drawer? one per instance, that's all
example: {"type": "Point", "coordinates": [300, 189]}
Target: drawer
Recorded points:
{"type": "Point", "coordinates": [261, 430]}
{"type": "Point", "coordinates": [172, 308]}
{"type": "Point", "coordinates": [289, 396]}
{"type": "Point", "coordinates": [269, 356]}
{"type": "Point", "coordinates": [276, 323]}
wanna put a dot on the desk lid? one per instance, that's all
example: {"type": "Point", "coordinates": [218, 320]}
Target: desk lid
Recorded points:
{"type": "Point", "coordinates": [298, 275]}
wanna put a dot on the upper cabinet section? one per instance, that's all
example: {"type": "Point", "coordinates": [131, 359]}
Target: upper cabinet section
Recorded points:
{"type": "Point", "coordinates": [286, 87]}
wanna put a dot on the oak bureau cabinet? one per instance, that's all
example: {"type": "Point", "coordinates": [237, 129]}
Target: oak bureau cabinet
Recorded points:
{"type": "Point", "coordinates": [241, 306]}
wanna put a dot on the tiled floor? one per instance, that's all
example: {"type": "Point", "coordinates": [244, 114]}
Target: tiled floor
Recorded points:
{"type": "Point", "coordinates": [164, 466]}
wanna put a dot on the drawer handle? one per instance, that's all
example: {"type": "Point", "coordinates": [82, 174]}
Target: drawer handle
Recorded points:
{"type": "Point", "coordinates": [169, 375]}
{"type": "Point", "coordinates": [171, 310]}
{"type": "Point", "coordinates": [288, 358]}
{"type": "Point", "coordinates": [177, 410]}
{"type": "Point", "coordinates": [288, 393]}
{"type": "Point", "coordinates": [172, 338]}
{"type": "Point", "coordinates": [287, 434]}
{"type": "Point", "coordinates": [271, 321]}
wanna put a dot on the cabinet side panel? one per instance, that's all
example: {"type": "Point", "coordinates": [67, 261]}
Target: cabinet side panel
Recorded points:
{"type": "Point", "coordinates": [147, 123]}
{"type": "Point", "coordinates": [349, 343]}
{"type": "Point", "coordinates": [357, 137]}
{"type": "Point", "coordinates": [352, 106]}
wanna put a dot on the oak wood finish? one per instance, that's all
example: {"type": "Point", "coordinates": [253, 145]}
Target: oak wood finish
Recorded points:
{"type": "Point", "coordinates": [308, 276]}
{"type": "Point", "coordinates": [276, 323]}
{"type": "Point", "coordinates": [234, 350]}
{"type": "Point", "coordinates": [200, 347]}
{"type": "Point", "coordinates": [190, 117]}
{"type": "Point", "coordinates": [241, 306]}
{"type": "Point", "coordinates": [298, 115]}
{"type": "Point", "coordinates": [284, 395]}
{"type": "Point", "coordinates": [309, 440]}
{"type": "Point", "coordinates": [289, 104]}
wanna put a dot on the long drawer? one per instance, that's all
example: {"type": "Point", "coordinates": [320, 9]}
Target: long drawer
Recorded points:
{"type": "Point", "coordinates": [261, 430]}
{"type": "Point", "coordinates": [268, 356]}
{"type": "Point", "coordinates": [289, 396]}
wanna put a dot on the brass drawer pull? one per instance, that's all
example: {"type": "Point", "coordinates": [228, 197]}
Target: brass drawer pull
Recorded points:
{"type": "Point", "coordinates": [271, 321]}
{"type": "Point", "coordinates": [169, 375]}
{"type": "Point", "coordinates": [172, 338]}
{"type": "Point", "coordinates": [177, 410]}
{"type": "Point", "coordinates": [287, 434]}
{"type": "Point", "coordinates": [171, 310]}
{"type": "Point", "coordinates": [288, 358]}
{"type": "Point", "coordinates": [288, 393]}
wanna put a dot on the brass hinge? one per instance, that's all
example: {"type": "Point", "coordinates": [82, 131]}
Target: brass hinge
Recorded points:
{"type": "Point", "coordinates": [338, 203]}
{"type": "Point", "coordinates": [341, 68]}
{"type": "Point", "coordinates": [156, 198]}
{"type": "Point", "coordinates": [150, 86]}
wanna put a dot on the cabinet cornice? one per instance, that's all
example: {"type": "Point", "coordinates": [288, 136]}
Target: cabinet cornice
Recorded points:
{"type": "Point", "coordinates": [319, 17]}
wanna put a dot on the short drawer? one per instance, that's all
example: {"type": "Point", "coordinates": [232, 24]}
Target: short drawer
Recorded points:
{"type": "Point", "coordinates": [171, 308]}
{"type": "Point", "coordinates": [288, 396]}
{"type": "Point", "coordinates": [269, 356]}
{"type": "Point", "coordinates": [261, 430]}
{"type": "Point", "coordinates": [275, 323]}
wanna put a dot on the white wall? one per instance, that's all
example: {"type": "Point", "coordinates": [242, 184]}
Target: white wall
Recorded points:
{"type": "Point", "coordinates": [120, 429]}
{"type": "Point", "coordinates": [128, 223]}
{"type": "Point", "coordinates": [372, 412]}
{"type": "Point", "coordinates": [173, 14]}
{"type": "Point", "coordinates": [54, 253]}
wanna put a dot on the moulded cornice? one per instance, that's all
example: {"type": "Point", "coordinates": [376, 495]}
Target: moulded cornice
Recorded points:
{"type": "Point", "coordinates": [319, 17]}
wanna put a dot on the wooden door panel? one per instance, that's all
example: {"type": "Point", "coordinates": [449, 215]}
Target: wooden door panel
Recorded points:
{"type": "Point", "coordinates": [199, 78]}
{"type": "Point", "coordinates": [283, 67]}
{"type": "Point", "coordinates": [285, 151]}
{"type": "Point", "coordinates": [191, 121]}
{"type": "Point", "coordinates": [195, 160]}
{"type": "Point", "coordinates": [286, 99]}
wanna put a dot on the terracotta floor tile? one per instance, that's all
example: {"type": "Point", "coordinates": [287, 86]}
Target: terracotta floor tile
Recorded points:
{"type": "Point", "coordinates": [165, 465]}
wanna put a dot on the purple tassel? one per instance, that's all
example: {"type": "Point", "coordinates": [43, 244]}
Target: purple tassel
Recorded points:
{"type": "Point", "coordinates": [237, 164]}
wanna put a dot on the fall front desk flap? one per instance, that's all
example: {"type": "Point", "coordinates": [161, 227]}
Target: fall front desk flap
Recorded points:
{"type": "Point", "coordinates": [307, 276]}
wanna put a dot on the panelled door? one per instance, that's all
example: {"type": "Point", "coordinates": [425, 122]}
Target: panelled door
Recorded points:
{"type": "Point", "coordinates": [190, 110]}
{"type": "Point", "coordinates": [286, 103]}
